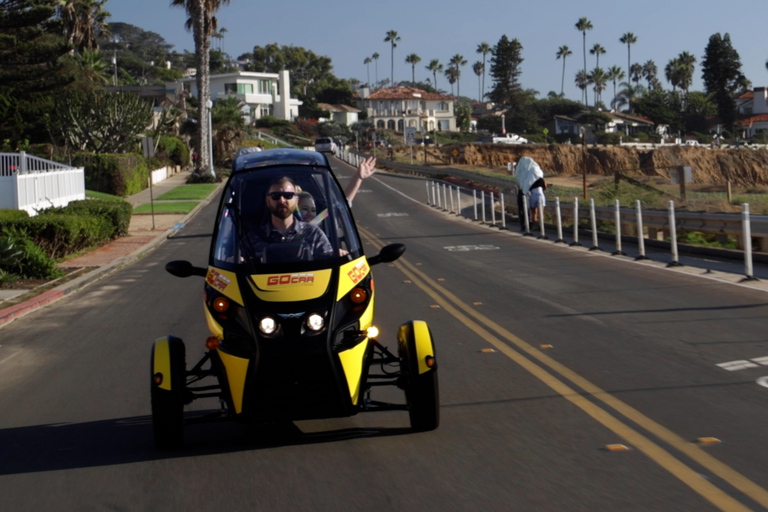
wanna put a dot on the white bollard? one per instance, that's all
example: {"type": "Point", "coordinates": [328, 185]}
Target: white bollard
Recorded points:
{"type": "Point", "coordinates": [575, 221]}
{"type": "Point", "coordinates": [482, 204]}
{"type": "Point", "coordinates": [746, 230]}
{"type": "Point", "coordinates": [617, 219]}
{"type": "Point", "coordinates": [542, 234]}
{"type": "Point", "coordinates": [594, 247]}
{"type": "Point", "coordinates": [427, 184]}
{"type": "Point", "coordinates": [673, 236]}
{"type": "Point", "coordinates": [445, 201]}
{"type": "Point", "coordinates": [559, 222]}
{"type": "Point", "coordinates": [640, 233]}
{"type": "Point", "coordinates": [434, 195]}
{"type": "Point", "coordinates": [493, 210]}
{"type": "Point", "coordinates": [474, 202]}
{"type": "Point", "coordinates": [527, 218]}
{"type": "Point", "coordinates": [450, 188]}
{"type": "Point", "coordinates": [503, 211]}
{"type": "Point", "coordinates": [458, 201]}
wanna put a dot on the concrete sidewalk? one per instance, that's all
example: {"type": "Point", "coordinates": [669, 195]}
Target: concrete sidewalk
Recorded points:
{"type": "Point", "coordinates": [146, 233]}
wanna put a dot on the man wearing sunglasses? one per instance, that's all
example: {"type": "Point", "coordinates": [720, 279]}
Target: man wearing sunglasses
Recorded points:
{"type": "Point", "coordinates": [283, 226]}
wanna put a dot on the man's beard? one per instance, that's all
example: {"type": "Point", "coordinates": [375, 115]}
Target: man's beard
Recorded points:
{"type": "Point", "coordinates": [281, 211]}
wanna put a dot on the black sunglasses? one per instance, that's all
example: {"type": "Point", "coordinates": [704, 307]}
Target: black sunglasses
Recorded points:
{"type": "Point", "coordinates": [285, 195]}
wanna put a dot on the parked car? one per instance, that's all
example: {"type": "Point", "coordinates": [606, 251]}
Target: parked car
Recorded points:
{"type": "Point", "coordinates": [509, 138]}
{"type": "Point", "coordinates": [326, 145]}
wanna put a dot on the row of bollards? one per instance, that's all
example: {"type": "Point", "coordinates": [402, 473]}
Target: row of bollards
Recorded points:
{"type": "Point", "coordinates": [438, 192]}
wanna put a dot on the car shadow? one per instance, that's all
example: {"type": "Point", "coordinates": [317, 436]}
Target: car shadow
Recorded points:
{"type": "Point", "coordinates": [54, 446]}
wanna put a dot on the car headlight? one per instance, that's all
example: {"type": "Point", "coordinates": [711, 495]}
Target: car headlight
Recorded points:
{"type": "Point", "coordinates": [267, 325]}
{"type": "Point", "coordinates": [315, 322]}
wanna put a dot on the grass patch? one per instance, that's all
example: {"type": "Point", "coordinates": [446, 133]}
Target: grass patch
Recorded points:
{"type": "Point", "coordinates": [182, 207]}
{"type": "Point", "coordinates": [101, 195]}
{"type": "Point", "coordinates": [194, 191]}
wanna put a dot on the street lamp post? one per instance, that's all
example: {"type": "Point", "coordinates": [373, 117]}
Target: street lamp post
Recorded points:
{"type": "Point", "coordinates": [114, 63]}
{"type": "Point", "coordinates": [209, 106]}
{"type": "Point", "coordinates": [503, 125]}
{"type": "Point", "coordinates": [404, 127]}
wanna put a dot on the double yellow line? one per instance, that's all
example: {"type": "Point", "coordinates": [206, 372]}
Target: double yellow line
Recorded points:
{"type": "Point", "coordinates": [552, 373]}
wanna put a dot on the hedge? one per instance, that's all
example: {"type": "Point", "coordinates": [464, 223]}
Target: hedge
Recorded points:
{"type": "Point", "coordinates": [117, 212]}
{"type": "Point", "coordinates": [120, 175]}
{"type": "Point", "coordinates": [60, 234]}
{"type": "Point", "coordinates": [6, 215]}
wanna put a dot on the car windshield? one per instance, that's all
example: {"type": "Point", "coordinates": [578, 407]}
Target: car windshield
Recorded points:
{"type": "Point", "coordinates": [284, 215]}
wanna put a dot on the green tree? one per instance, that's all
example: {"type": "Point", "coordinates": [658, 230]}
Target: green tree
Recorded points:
{"type": "Point", "coordinates": [661, 107]}
{"type": "Point", "coordinates": [636, 72]}
{"type": "Point", "coordinates": [615, 74]}
{"type": "Point", "coordinates": [562, 53]}
{"type": "Point", "coordinates": [484, 49]}
{"type": "Point", "coordinates": [413, 59]}
{"type": "Point", "coordinates": [649, 71]}
{"type": "Point", "coordinates": [392, 38]}
{"type": "Point", "coordinates": [32, 70]}
{"type": "Point", "coordinates": [456, 62]}
{"type": "Point", "coordinates": [721, 72]}
{"type": "Point", "coordinates": [628, 39]}
{"type": "Point", "coordinates": [582, 82]}
{"type": "Point", "coordinates": [101, 122]}
{"type": "Point", "coordinates": [479, 70]}
{"type": "Point", "coordinates": [203, 24]}
{"type": "Point", "coordinates": [228, 127]}
{"type": "Point", "coordinates": [598, 78]}
{"type": "Point", "coordinates": [83, 22]}
{"type": "Point", "coordinates": [505, 72]}
{"type": "Point", "coordinates": [435, 67]}
{"type": "Point", "coordinates": [463, 117]}
{"type": "Point", "coordinates": [597, 50]}
{"type": "Point", "coordinates": [582, 26]}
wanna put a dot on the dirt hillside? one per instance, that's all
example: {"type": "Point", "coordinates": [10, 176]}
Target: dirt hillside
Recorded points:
{"type": "Point", "coordinates": [742, 167]}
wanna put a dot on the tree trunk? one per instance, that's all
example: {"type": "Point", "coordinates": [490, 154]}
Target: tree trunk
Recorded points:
{"type": "Point", "coordinates": [202, 58]}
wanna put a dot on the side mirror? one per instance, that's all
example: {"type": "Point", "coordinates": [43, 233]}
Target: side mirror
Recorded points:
{"type": "Point", "coordinates": [388, 254]}
{"type": "Point", "coordinates": [182, 268]}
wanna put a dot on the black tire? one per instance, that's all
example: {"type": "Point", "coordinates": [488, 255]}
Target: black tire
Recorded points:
{"type": "Point", "coordinates": [168, 405]}
{"type": "Point", "coordinates": [421, 391]}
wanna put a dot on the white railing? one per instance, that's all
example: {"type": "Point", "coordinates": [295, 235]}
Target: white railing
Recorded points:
{"type": "Point", "coordinates": [32, 184]}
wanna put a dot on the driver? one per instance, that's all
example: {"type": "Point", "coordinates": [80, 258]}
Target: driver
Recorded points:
{"type": "Point", "coordinates": [282, 226]}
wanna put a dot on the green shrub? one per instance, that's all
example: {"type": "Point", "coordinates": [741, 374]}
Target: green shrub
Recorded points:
{"type": "Point", "coordinates": [173, 149]}
{"type": "Point", "coordinates": [13, 215]}
{"type": "Point", "coordinates": [612, 139]}
{"type": "Point", "coordinates": [118, 213]}
{"type": "Point", "coordinates": [28, 259]}
{"type": "Point", "coordinates": [121, 175]}
{"type": "Point", "coordinates": [59, 234]}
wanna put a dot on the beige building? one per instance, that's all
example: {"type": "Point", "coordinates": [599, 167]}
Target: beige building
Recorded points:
{"type": "Point", "coordinates": [397, 107]}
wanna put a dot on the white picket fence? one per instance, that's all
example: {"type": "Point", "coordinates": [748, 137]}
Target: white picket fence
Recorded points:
{"type": "Point", "coordinates": [31, 183]}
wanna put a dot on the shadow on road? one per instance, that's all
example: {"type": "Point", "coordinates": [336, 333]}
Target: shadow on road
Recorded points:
{"type": "Point", "coordinates": [126, 440]}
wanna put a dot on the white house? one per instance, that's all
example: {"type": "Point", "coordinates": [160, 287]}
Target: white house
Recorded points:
{"type": "Point", "coordinates": [265, 94]}
{"type": "Point", "coordinates": [340, 114]}
{"type": "Point", "coordinates": [753, 107]}
{"type": "Point", "coordinates": [397, 107]}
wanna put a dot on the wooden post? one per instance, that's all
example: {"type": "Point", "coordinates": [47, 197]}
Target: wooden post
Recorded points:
{"type": "Point", "coordinates": [681, 172]}
{"type": "Point", "coordinates": [728, 191]}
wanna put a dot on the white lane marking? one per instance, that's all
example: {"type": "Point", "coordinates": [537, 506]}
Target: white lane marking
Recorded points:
{"type": "Point", "coordinates": [465, 248]}
{"type": "Point", "coordinates": [733, 366]}
{"type": "Point", "coordinates": [763, 381]}
{"type": "Point", "coordinates": [364, 191]}
{"type": "Point", "coordinates": [385, 215]}
{"type": "Point", "coordinates": [761, 360]}
{"type": "Point", "coordinates": [9, 357]}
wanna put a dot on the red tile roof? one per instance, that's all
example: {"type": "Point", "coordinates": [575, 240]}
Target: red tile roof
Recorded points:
{"type": "Point", "coordinates": [406, 93]}
{"type": "Point", "coordinates": [757, 118]}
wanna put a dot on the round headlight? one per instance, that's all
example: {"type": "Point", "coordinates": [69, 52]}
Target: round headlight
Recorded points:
{"type": "Point", "coordinates": [267, 325]}
{"type": "Point", "coordinates": [315, 321]}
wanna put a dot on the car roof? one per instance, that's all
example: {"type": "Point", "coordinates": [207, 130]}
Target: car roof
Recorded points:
{"type": "Point", "coordinates": [279, 157]}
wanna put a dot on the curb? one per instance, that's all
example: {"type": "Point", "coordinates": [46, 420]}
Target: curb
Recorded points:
{"type": "Point", "coordinates": [11, 313]}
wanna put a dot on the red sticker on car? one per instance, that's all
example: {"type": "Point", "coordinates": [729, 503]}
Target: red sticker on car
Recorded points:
{"type": "Point", "coordinates": [217, 280]}
{"type": "Point", "coordinates": [290, 279]}
{"type": "Point", "coordinates": [358, 272]}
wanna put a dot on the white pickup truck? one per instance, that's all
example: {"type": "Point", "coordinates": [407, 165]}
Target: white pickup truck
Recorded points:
{"type": "Point", "coordinates": [509, 138]}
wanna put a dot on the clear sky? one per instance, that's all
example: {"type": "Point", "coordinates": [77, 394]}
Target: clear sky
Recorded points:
{"type": "Point", "coordinates": [349, 31]}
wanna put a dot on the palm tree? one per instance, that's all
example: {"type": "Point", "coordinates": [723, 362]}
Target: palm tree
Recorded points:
{"type": "Point", "coordinates": [689, 61]}
{"type": "Point", "coordinates": [202, 23]}
{"type": "Point", "coordinates": [582, 82]}
{"type": "Point", "coordinates": [615, 74]}
{"type": "Point", "coordinates": [582, 26]}
{"type": "Point", "coordinates": [84, 21]}
{"type": "Point", "coordinates": [375, 58]}
{"type": "Point", "coordinates": [413, 59]}
{"type": "Point", "coordinates": [479, 68]}
{"type": "Point", "coordinates": [452, 75]}
{"type": "Point", "coordinates": [485, 49]}
{"type": "Point", "coordinates": [435, 67]}
{"type": "Point", "coordinates": [94, 67]}
{"type": "Point", "coordinates": [649, 71]}
{"type": "Point", "coordinates": [635, 73]}
{"type": "Point", "coordinates": [628, 39]}
{"type": "Point", "coordinates": [673, 72]}
{"type": "Point", "coordinates": [457, 61]}
{"type": "Point", "coordinates": [562, 53]}
{"type": "Point", "coordinates": [628, 94]}
{"type": "Point", "coordinates": [367, 63]}
{"type": "Point", "coordinates": [597, 50]}
{"type": "Point", "coordinates": [392, 38]}
{"type": "Point", "coordinates": [598, 78]}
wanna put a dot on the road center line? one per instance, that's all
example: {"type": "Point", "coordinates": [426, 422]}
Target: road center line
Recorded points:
{"type": "Point", "coordinates": [676, 467]}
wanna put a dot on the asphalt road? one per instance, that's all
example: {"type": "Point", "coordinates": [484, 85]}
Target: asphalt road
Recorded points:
{"type": "Point", "coordinates": [550, 358]}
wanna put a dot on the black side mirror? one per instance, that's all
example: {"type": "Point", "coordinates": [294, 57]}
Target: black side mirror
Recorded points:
{"type": "Point", "coordinates": [182, 268]}
{"type": "Point", "coordinates": [388, 254]}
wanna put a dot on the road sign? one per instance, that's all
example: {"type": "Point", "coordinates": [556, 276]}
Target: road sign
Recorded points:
{"type": "Point", "coordinates": [410, 135]}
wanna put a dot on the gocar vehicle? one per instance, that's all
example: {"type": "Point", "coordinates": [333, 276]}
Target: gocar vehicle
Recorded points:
{"type": "Point", "coordinates": [292, 335]}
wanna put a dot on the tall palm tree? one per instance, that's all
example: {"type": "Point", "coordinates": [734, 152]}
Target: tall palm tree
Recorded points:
{"type": "Point", "coordinates": [649, 71]}
{"type": "Point", "coordinates": [615, 74]}
{"type": "Point", "coordinates": [688, 61]}
{"type": "Point", "coordinates": [582, 26]}
{"type": "Point", "coordinates": [413, 59]}
{"type": "Point", "coordinates": [457, 61]}
{"type": "Point", "coordinates": [673, 72]}
{"type": "Point", "coordinates": [562, 53]}
{"type": "Point", "coordinates": [628, 39]}
{"type": "Point", "coordinates": [375, 58]}
{"type": "Point", "coordinates": [597, 50]}
{"type": "Point", "coordinates": [203, 24]}
{"type": "Point", "coordinates": [83, 21]}
{"type": "Point", "coordinates": [392, 38]}
{"type": "Point", "coordinates": [484, 49]}
{"type": "Point", "coordinates": [598, 78]}
{"type": "Point", "coordinates": [435, 67]}
{"type": "Point", "coordinates": [635, 73]}
{"type": "Point", "coordinates": [452, 75]}
{"type": "Point", "coordinates": [479, 69]}
{"type": "Point", "coordinates": [367, 63]}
